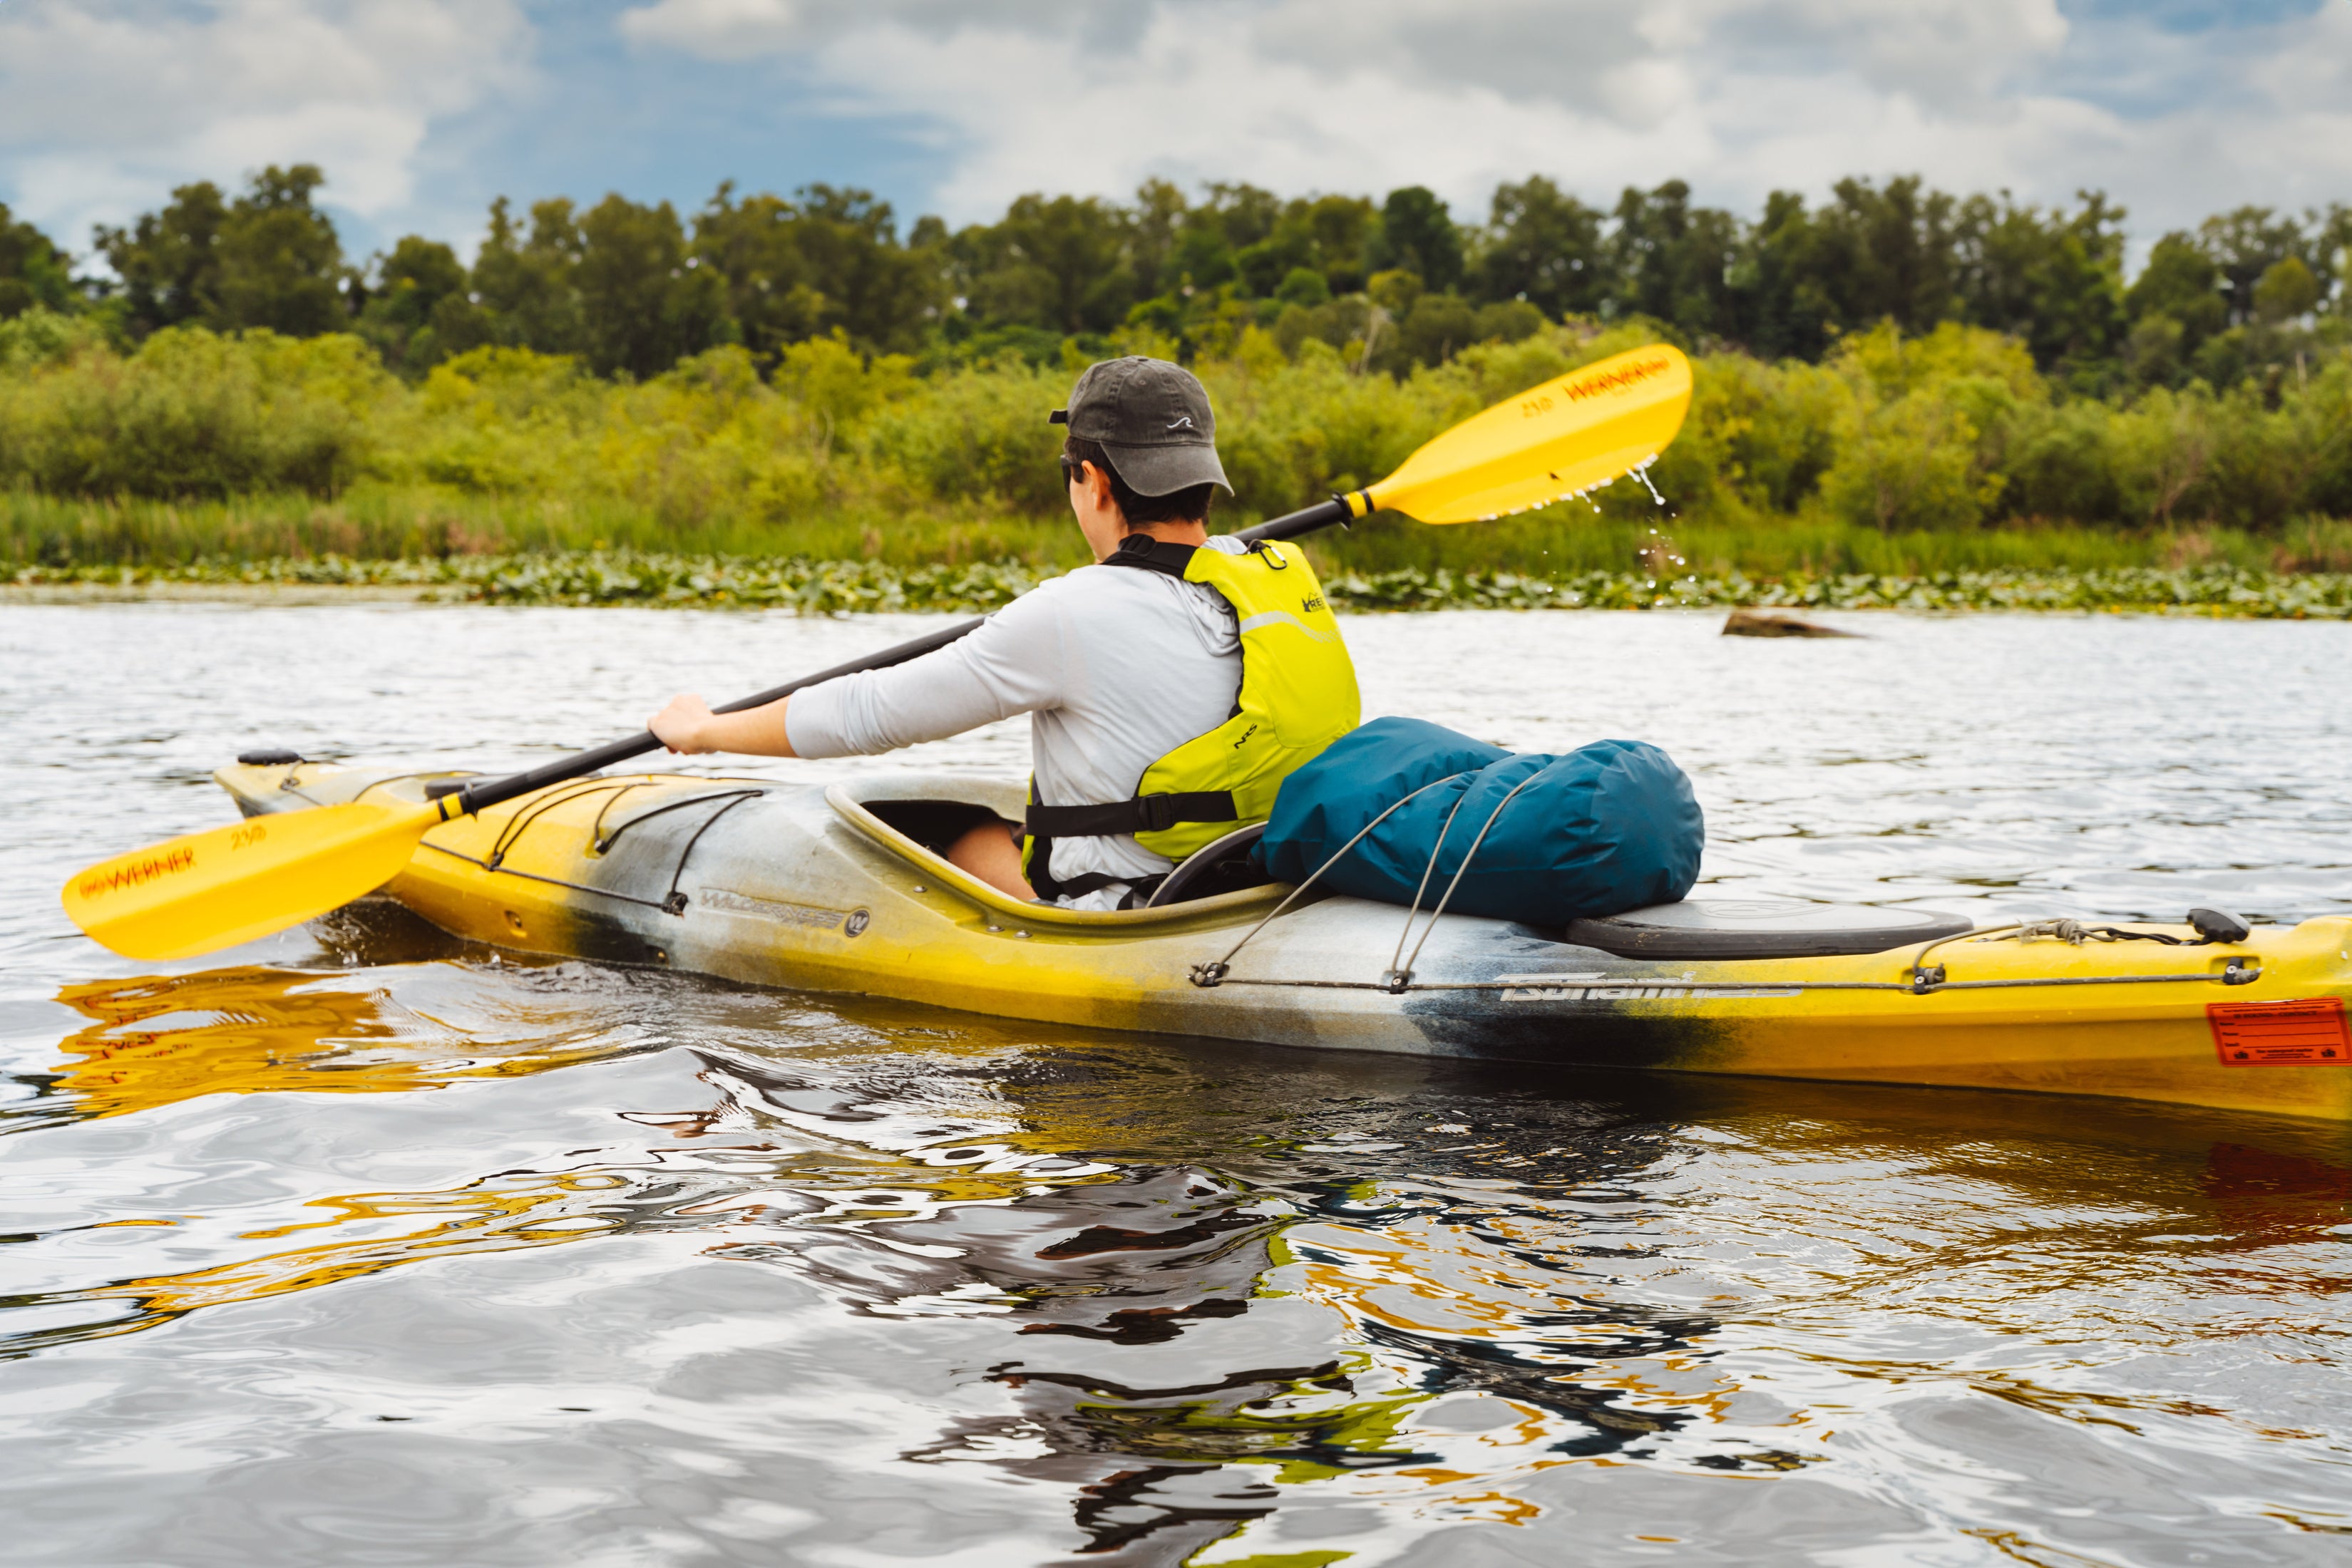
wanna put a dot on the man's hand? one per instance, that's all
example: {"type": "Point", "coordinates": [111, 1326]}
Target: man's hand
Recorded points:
{"type": "Point", "coordinates": [680, 726]}
{"type": "Point", "coordinates": [687, 724]}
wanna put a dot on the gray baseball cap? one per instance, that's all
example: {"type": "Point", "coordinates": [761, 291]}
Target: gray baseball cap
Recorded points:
{"type": "Point", "coordinates": [1153, 420]}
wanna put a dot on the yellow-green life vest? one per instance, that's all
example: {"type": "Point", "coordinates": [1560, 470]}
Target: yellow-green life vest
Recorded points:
{"type": "Point", "coordinates": [1297, 696]}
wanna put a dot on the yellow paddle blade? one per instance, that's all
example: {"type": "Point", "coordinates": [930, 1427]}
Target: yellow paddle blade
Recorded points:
{"type": "Point", "coordinates": [1570, 435]}
{"type": "Point", "coordinates": [202, 892]}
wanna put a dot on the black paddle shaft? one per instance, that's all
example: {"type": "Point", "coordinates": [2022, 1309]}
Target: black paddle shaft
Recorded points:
{"type": "Point", "coordinates": [490, 792]}
{"type": "Point", "coordinates": [1298, 525]}
{"type": "Point", "coordinates": [474, 797]}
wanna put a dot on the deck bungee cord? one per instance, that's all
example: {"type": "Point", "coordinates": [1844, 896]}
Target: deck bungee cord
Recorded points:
{"type": "Point", "coordinates": [1210, 975]}
{"type": "Point", "coordinates": [1399, 973]}
{"type": "Point", "coordinates": [604, 841]}
{"type": "Point", "coordinates": [673, 902]}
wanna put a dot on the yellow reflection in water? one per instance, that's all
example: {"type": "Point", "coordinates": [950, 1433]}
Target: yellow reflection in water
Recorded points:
{"type": "Point", "coordinates": [533, 1209]}
{"type": "Point", "coordinates": [159, 1040]}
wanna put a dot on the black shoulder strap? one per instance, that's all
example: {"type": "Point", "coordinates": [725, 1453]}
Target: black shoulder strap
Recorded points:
{"type": "Point", "coordinates": [1152, 555]}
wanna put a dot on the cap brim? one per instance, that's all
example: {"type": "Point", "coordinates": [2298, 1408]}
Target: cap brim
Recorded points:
{"type": "Point", "coordinates": [1164, 470]}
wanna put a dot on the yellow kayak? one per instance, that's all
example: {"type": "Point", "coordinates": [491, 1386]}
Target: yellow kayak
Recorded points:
{"type": "Point", "coordinates": [840, 888]}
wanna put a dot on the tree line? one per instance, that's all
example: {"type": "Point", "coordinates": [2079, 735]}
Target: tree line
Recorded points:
{"type": "Point", "coordinates": [633, 288]}
{"type": "Point", "coordinates": [1952, 433]}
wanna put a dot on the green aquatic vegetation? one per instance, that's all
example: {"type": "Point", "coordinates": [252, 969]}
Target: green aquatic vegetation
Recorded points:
{"type": "Point", "coordinates": [598, 577]}
{"type": "Point", "coordinates": [847, 587]}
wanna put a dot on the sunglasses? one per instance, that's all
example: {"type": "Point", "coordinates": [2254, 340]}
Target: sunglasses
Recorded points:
{"type": "Point", "coordinates": [1073, 472]}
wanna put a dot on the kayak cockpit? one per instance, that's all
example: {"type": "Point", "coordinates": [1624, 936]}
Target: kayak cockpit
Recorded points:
{"type": "Point", "coordinates": [917, 816]}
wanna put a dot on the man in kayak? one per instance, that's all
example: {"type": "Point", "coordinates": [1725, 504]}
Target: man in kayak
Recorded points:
{"type": "Point", "coordinates": [1172, 686]}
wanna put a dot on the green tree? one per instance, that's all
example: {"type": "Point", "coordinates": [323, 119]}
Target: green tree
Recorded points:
{"type": "Point", "coordinates": [1888, 255]}
{"type": "Point", "coordinates": [2053, 281]}
{"type": "Point", "coordinates": [32, 270]}
{"type": "Point", "coordinates": [755, 245]}
{"type": "Point", "coordinates": [1303, 286]}
{"type": "Point", "coordinates": [1544, 246]}
{"type": "Point", "coordinates": [883, 295]}
{"type": "Point", "coordinates": [1326, 234]}
{"type": "Point", "coordinates": [2245, 244]}
{"type": "Point", "coordinates": [281, 264]}
{"type": "Point", "coordinates": [525, 289]}
{"type": "Point", "coordinates": [1154, 222]}
{"type": "Point", "coordinates": [645, 302]}
{"type": "Point", "coordinates": [2285, 289]}
{"type": "Point", "coordinates": [1803, 277]}
{"type": "Point", "coordinates": [270, 259]}
{"type": "Point", "coordinates": [167, 263]}
{"type": "Point", "coordinates": [1418, 234]}
{"type": "Point", "coordinates": [2153, 353]}
{"type": "Point", "coordinates": [2175, 305]}
{"type": "Point", "coordinates": [1437, 326]}
{"type": "Point", "coordinates": [1204, 258]}
{"type": "Point", "coordinates": [1265, 266]}
{"type": "Point", "coordinates": [1341, 229]}
{"type": "Point", "coordinates": [1674, 262]}
{"type": "Point", "coordinates": [830, 261]}
{"type": "Point", "coordinates": [2331, 255]}
{"type": "Point", "coordinates": [1242, 214]}
{"type": "Point", "coordinates": [1059, 264]}
{"type": "Point", "coordinates": [1778, 285]}
{"type": "Point", "coordinates": [397, 313]}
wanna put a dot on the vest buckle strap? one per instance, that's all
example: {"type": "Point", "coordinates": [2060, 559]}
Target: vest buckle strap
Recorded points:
{"type": "Point", "coordinates": [1143, 814]}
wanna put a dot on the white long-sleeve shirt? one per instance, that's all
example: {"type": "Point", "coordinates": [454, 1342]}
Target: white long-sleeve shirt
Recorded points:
{"type": "Point", "coordinates": [1115, 667]}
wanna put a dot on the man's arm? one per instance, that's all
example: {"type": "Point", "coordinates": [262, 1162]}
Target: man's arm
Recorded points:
{"type": "Point", "coordinates": [1012, 665]}
{"type": "Point", "coordinates": [689, 726]}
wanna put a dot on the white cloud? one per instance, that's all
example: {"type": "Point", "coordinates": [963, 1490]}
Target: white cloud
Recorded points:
{"type": "Point", "coordinates": [418, 108]}
{"type": "Point", "coordinates": [105, 104]}
{"type": "Point", "coordinates": [1739, 97]}
{"type": "Point", "coordinates": [718, 29]}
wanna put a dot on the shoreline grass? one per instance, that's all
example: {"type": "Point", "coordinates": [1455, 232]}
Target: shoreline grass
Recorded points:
{"type": "Point", "coordinates": [425, 523]}
{"type": "Point", "coordinates": [629, 578]}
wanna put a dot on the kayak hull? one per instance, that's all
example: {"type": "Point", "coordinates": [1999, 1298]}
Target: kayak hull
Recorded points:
{"type": "Point", "coordinates": [812, 888]}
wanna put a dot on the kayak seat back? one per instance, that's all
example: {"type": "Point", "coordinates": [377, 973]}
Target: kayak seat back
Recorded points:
{"type": "Point", "coordinates": [1225, 865]}
{"type": "Point", "coordinates": [1762, 928]}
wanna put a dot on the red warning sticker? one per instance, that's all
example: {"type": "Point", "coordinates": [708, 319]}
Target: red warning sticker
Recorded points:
{"type": "Point", "coordinates": [2309, 1033]}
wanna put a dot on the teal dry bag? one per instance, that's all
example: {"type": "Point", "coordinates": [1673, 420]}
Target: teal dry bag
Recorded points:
{"type": "Point", "coordinates": [1606, 828]}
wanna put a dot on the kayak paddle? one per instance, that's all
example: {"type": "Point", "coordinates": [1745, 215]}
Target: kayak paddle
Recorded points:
{"type": "Point", "coordinates": [202, 892]}
{"type": "Point", "coordinates": [1574, 433]}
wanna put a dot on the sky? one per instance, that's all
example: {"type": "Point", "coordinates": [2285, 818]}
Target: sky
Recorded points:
{"type": "Point", "coordinates": [421, 111]}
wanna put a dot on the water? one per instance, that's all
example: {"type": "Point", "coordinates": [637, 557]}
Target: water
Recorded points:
{"type": "Point", "coordinates": [357, 1247]}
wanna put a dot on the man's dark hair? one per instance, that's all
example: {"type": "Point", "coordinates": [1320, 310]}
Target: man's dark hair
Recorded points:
{"type": "Point", "coordinates": [1189, 505]}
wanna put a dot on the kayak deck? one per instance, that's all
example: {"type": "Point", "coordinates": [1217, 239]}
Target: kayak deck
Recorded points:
{"type": "Point", "coordinates": [814, 888]}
